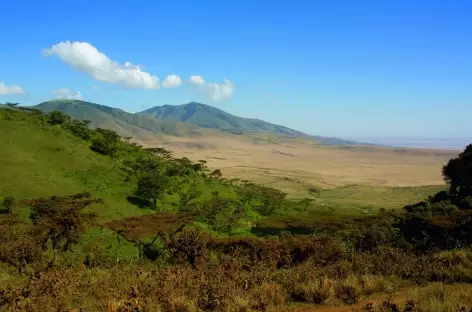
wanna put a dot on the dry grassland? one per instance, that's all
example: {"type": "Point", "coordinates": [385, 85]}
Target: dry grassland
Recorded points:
{"type": "Point", "coordinates": [295, 164]}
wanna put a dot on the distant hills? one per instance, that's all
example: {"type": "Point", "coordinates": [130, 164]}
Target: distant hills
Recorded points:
{"type": "Point", "coordinates": [192, 119]}
{"type": "Point", "coordinates": [126, 124]}
{"type": "Point", "coordinates": [207, 116]}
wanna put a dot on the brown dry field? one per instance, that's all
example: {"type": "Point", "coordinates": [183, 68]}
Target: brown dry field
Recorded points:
{"type": "Point", "coordinates": [288, 163]}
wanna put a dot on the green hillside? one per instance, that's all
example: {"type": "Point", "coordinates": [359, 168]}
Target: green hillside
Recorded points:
{"type": "Point", "coordinates": [124, 123]}
{"type": "Point", "coordinates": [211, 117]}
{"type": "Point", "coordinates": [42, 156]}
{"type": "Point", "coordinates": [39, 160]}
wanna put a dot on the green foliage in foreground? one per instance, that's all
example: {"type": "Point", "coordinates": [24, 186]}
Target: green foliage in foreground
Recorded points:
{"type": "Point", "coordinates": [57, 252]}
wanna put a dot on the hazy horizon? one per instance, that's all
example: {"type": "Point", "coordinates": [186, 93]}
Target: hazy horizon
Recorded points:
{"type": "Point", "coordinates": [447, 143]}
{"type": "Point", "coordinates": [429, 143]}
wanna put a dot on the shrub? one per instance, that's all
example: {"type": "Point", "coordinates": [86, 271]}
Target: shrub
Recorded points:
{"type": "Point", "coordinates": [189, 245]}
{"type": "Point", "coordinates": [349, 294]}
{"type": "Point", "coordinates": [7, 205]}
{"type": "Point", "coordinates": [58, 118]}
{"type": "Point", "coordinates": [17, 247]}
{"type": "Point", "coordinates": [100, 145]}
{"type": "Point", "coordinates": [79, 128]}
{"type": "Point", "coordinates": [266, 296]}
{"type": "Point", "coordinates": [316, 292]}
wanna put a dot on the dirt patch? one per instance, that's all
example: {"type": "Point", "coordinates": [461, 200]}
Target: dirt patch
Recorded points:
{"type": "Point", "coordinates": [399, 298]}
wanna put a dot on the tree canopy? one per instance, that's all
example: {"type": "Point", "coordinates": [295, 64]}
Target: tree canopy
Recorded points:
{"type": "Point", "coordinates": [458, 173]}
{"type": "Point", "coordinates": [151, 186]}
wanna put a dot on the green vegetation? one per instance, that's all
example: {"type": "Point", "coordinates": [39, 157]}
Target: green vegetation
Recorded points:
{"type": "Point", "coordinates": [90, 222]}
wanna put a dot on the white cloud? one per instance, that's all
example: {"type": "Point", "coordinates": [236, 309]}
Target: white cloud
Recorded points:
{"type": "Point", "coordinates": [197, 80]}
{"type": "Point", "coordinates": [67, 94]}
{"type": "Point", "coordinates": [220, 92]}
{"type": "Point", "coordinates": [13, 89]}
{"type": "Point", "coordinates": [84, 57]}
{"type": "Point", "coordinates": [172, 81]}
{"type": "Point", "coordinates": [216, 92]}
{"type": "Point", "coordinates": [95, 87]}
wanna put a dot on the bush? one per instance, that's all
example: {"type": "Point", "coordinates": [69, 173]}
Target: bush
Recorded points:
{"type": "Point", "coordinates": [190, 246]}
{"type": "Point", "coordinates": [316, 292]}
{"type": "Point", "coordinates": [17, 246]}
{"type": "Point", "coordinates": [268, 295]}
{"type": "Point", "coordinates": [444, 208]}
{"type": "Point", "coordinates": [349, 294]}
{"type": "Point", "coordinates": [58, 118]}
{"type": "Point", "coordinates": [103, 147]}
{"type": "Point", "coordinates": [79, 128]}
{"type": "Point", "coordinates": [7, 205]}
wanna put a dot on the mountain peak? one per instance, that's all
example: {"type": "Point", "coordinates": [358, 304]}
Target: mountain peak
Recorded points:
{"type": "Point", "coordinates": [207, 116]}
{"type": "Point", "coordinates": [174, 120]}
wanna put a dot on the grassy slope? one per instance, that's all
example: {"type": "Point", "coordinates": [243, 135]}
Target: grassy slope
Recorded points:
{"type": "Point", "coordinates": [124, 123]}
{"type": "Point", "coordinates": [40, 161]}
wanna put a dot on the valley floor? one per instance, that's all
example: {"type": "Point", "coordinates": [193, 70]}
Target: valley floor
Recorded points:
{"type": "Point", "coordinates": [356, 177]}
{"type": "Point", "coordinates": [271, 161]}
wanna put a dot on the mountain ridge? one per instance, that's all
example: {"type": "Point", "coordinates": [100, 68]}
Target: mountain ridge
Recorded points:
{"type": "Point", "coordinates": [192, 119]}
{"type": "Point", "coordinates": [207, 116]}
{"type": "Point", "coordinates": [126, 124]}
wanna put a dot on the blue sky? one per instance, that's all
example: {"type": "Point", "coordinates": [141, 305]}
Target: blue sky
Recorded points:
{"type": "Point", "coordinates": [353, 69]}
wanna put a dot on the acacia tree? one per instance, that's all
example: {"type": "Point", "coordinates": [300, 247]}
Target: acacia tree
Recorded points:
{"type": "Point", "coordinates": [142, 166]}
{"type": "Point", "coordinates": [272, 199]}
{"type": "Point", "coordinates": [61, 220]}
{"type": "Point", "coordinates": [246, 193]}
{"type": "Point", "coordinates": [151, 186]}
{"type": "Point", "coordinates": [458, 173]}
{"type": "Point", "coordinates": [107, 143]}
{"type": "Point", "coordinates": [58, 118]}
{"type": "Point", "coordinates": [221, 214]}
{"type": "Point", "coordinates": [190, 194]}
{"type": "Point", "coordinates": [216, 174]}
{"type": "Point", "coordinates": [160, 152]}
{"type": "Point", "coordinates": [200, 166]}
{"type": "Point", "coordinates": [305, 203]}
